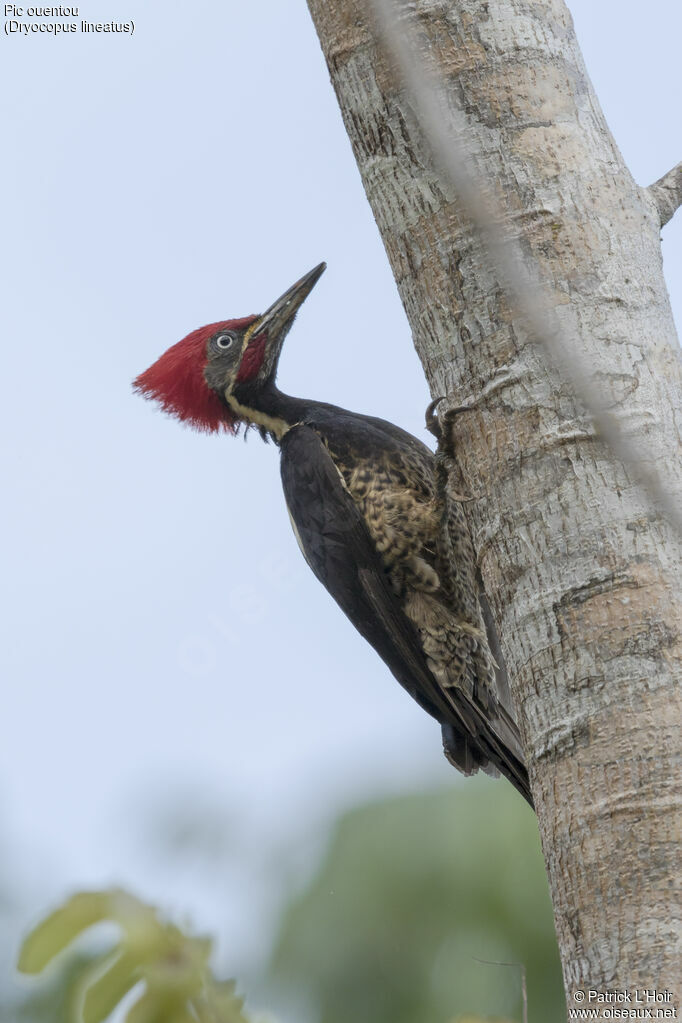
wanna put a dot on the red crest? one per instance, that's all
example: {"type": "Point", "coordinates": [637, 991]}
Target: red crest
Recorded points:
{"type": "Point", "coordinates": [176, 381]}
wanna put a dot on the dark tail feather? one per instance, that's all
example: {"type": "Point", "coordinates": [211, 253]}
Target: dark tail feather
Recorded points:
{"type": "Point", "coordinates": [516, 771]}
{"type": "Point", "coordinates": [487, 755]}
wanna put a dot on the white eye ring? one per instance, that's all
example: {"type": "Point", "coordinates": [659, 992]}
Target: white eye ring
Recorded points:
{"type": "Point", "coordinates": [224, 341]}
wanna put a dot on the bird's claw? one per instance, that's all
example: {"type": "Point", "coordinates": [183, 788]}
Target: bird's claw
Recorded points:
{"type": "Point", "coordinates": [433, 422]}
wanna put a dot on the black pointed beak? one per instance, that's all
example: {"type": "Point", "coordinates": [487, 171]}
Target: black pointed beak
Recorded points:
{"type": "Point", "coordinates": [276, 321]}
{"type": "Point", "coordinates": [274, 324]}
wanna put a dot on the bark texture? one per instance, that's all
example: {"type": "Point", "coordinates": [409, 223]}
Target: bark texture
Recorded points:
{"type": "Point", "coordinates": [582, 575]}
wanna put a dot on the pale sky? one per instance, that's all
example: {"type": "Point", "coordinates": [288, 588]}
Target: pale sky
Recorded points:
{"type": "Point", "coordinates": [164, 640]}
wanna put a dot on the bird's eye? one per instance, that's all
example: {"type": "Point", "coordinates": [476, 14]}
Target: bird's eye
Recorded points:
{"type": "Point", "coordinates": [224, 341]}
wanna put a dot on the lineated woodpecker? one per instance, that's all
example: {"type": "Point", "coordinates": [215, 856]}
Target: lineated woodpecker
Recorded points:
{"type": "Point", "coordinates": [375, 524]}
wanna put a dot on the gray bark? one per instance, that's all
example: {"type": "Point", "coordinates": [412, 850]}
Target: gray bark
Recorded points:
{"type": "Point", "coordinates": [581, 572]}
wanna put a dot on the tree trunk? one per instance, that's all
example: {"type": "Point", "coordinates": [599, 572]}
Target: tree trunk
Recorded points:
{"type": "Point", "coordinates": [582, 574]}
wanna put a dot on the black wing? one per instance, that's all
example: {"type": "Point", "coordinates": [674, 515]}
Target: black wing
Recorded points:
{"type": "Point", "coordinates": [337, 545]}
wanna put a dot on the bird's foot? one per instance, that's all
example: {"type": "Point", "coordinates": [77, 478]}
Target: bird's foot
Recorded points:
{"type": "Point", "coordinates": [435, 423]}
{"type": "Point", "coordinates": [432, 420]}
{"type": "Point", "coordinates": [454, 495]}
{"type": "Point", "coordinates": [440, 428]}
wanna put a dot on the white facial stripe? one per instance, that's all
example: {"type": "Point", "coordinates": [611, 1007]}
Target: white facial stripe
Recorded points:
{"type": "Point", "coordinates": [274, 424]}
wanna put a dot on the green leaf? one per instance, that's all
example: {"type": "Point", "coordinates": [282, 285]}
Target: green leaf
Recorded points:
{"type": "Point", "coordinates": [179, 986]}
{"type": "Point", "coordinates": [153, 1007]}
{"type": "Point", "coordinates": [102, 989]}
{"type": "Point", "coordinates": [225, 1005]}
{"type": "Point", "coordinates": [52, 936]}
{"type": "Point", "coordinates": [181, 965]}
